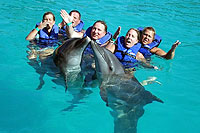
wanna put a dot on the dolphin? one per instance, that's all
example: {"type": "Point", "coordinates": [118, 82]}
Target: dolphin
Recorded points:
{"type": "Point", "coordinates": [122, 92]}
{"type": "Point", "coordinates": [68, 58]}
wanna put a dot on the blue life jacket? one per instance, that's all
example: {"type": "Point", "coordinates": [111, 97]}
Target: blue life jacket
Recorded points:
{"type": "Point", "coordinates": [127, 56]}
{"type": "Point", "coordinates": [100, 41]}
{"type": "Point", "coordinates": [77, 28]}
{"type": "Point", "coordinates": [48, 40]}
{"type": "Point", "coordinates": [145, 49]}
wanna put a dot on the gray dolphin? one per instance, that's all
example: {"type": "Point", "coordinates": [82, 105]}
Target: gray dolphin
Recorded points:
{"type": "Point", "coordinates": [68, 58]}
{"type": "Point", "coordinates": [122, 92]}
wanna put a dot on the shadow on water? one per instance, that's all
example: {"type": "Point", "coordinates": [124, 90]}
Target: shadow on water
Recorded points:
{"type": "Point", "coordinates": [74, 79]}
{"type": "Point", "coordinates": [41, 59]}
{"type": "Point", "coordinates": [79, 95]}
{"type": "Point", "coordinates": [46, 66]}
{"type": "Point", "coordinates": [80, 84]}
{"type": "Point", "coordinates": [76, 89]}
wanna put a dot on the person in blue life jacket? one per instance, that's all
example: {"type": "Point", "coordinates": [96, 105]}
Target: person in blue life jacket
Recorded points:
{"type": "Point", "coordinates": [98, 32]}
{"type": "Point", "coordinates": [150, 42]}
{"type": "Point", "coordinates": [77, 24]}
{"type": "Point", "coordinates": [48, 36]}
{"type": "Point", "coordinates": [126, 49]}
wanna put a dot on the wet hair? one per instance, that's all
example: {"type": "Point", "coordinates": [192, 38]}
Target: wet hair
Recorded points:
{"type": "Point", "coordinates": [102, 22]}
{"type": "Point", "coordinates": [47, 13]}
{"type": "Point", "coordinates": [137, 31]}
{"type": "Point", "coordinates": [150, 29]}
{"type": "Point", "coordinates": [76, 12]}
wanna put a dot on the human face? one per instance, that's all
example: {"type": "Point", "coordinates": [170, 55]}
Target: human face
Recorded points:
{"type": "Point", "coordinates": [49, 20]}
{"type": "Point", "coordinates": [131, 38]}
{"type": "Point", "coordinates": [98, 31]}
{"type": "Point", "coordinates": [76, 19]}
{"type": "Point", "coordinates": [147, 37]}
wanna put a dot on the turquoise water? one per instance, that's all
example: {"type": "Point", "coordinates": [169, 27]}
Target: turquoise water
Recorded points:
{"type": "Point", "coordinates": [25, 109]}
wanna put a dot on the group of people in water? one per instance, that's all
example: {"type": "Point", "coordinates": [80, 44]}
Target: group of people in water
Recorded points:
{"type": "Point", "coordinates": [138, 45]}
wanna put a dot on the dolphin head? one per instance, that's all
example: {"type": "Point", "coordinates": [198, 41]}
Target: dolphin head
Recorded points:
{"type": "Point", "coordinates": [69, 54]}
{"type": "Point", "coordinates": [106, 62]}
{"type": "Point", "coordinates": [68, 57]}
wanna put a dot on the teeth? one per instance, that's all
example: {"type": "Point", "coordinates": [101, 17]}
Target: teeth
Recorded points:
{"type": "Point", "coordinates": [128, 41]}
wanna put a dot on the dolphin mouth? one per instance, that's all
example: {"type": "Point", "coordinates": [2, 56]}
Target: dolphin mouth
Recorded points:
{"type": "Point", "coordinates": [85, 39]}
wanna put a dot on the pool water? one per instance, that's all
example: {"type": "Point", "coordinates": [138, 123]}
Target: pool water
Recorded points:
{"type": "Point", "coordinates": [25, 109]}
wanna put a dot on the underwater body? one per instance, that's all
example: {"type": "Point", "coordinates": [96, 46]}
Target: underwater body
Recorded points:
{"type": "Point", "coordinates": [24, 108]}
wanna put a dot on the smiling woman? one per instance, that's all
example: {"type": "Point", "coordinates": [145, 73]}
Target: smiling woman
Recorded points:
{"type": "Point", "coordinates": [99, 29]}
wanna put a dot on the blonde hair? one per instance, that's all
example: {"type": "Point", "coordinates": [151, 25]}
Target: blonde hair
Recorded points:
{"type": "Point", "coordinates": [150, 29]}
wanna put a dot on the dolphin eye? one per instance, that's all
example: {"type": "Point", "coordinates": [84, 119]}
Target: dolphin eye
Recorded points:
{"type": "Point", "coordinates": [110, 68]}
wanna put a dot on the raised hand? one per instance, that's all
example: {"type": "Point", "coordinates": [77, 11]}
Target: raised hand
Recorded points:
{"type": "Point", "coordinates": [176, 44]}
{"type": "Point", "coordinates": [66, 17]}
{"type": "Point", "coordinates": [62, 24]}
{"type": "Point", "coordinates": [117, 33]}
{"type": "Point", "coordinates": [42, 25]}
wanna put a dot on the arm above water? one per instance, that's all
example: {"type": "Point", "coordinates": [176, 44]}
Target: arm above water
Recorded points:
{"type": "Point", "coordinates": [69, 29]}
{"type": "Point", "coordinates": [169, 55]}
{"type": "Point", "coordinates": [34, 32]}
{"type": "Point", "coordinates": [62, 24]}
{"type": "Point", "coordinates": [112, 44]}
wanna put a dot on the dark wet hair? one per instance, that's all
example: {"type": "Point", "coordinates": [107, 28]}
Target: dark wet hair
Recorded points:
{"type": "Point", "coordinates": [150, 29]}
{"type": "Point", "coordinates": [102, 22]}
{"type": "Point", "coordinates": [47, 13]}
{"type": "Point", "coordinates": [76, 12]}
{"type": "Point", "coordinates": [137, 31]}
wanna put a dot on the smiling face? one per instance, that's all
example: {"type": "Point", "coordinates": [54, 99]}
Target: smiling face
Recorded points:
{"type": "Point", "coordinates": [148, 36]}
{"type": "Point", "coordinates": [76, 18]}
{"type": "Point", "coordinates": [50, 19]}
{"type": "Point", "coordinates": [98, 31]}
{"type": "Point", "coordinates": [131, 38]}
